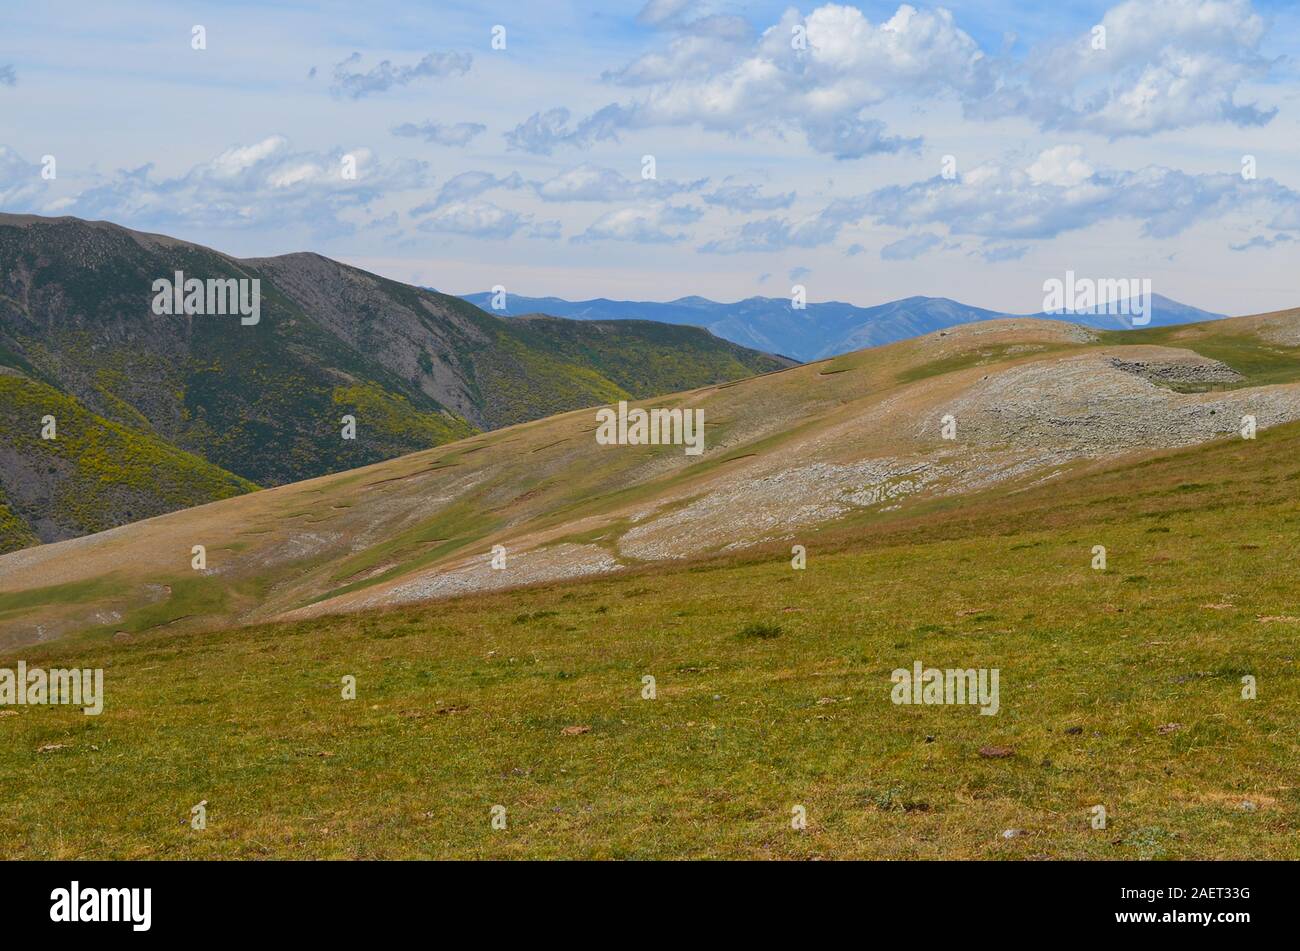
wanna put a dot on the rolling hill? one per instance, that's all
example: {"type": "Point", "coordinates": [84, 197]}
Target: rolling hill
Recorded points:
{"type": "Point", "coordinates": [856, 437]}
{"type": "Point", "coordinates": [214, 406]}
{"type": "Point", "coordinates": [820, 330]}
{"type": "Point", "coordinates": [652, 675]}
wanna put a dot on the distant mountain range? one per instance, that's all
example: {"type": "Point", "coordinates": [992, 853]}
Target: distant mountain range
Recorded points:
{"type": "Point", "coordinates": [772, 325]}
{"type": "Point", "coordinates": [112, 411]}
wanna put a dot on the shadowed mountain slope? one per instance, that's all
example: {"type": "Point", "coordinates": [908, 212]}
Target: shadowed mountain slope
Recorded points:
{"type": "Point", "coordinates": [264, 402]}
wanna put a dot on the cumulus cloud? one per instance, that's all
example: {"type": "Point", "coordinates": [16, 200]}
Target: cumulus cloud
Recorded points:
{"type": "Point", "coordinates": [474, 218]}
{"type": "Point", "coordinates": [264, 183]}
{"type": "Point", "coordinates": [1058, 192]}
{"type": "Point", "coordinates": [1011, 201]}
{"type": "Point", "coordinates": [825, 90]}
{"type": "Point", "coordinates": [1062, 165]}
{"type": "Point", "coordinates": [459, 210]}
{"type": "Point", "coordinates": [457, 134]}
{"type": "Point", "coordinates": [910, 247]}
{"type": "Point", "coordinates": [1167, 64]}
{"type": "Point", "coordinates": [353, 84]}
{"type": "Point", "coordinates": [645, 224]}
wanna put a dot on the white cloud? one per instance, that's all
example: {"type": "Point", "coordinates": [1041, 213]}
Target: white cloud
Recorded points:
{"type": "Point", "coordinates": [355, 84]}
{"type": "Point", "coordinates": [1062, 165]}
{"type": "Point", "coordinates": [475, 218]}
{"type": "Point", "coordinates": [1051, 197]}
{"type": "Point", "coordinates": [593, 183]}
{"type": "Point", "coordinates": [1167, 64]}
{"type": "Point", "coordinates": [252, 185]}
{"type": "Point", "coordinates": [848, 66]}
{"type": "Point", "coordinates": [1055, 193]}
{"type": "Point", "coordinates": [646, 224]}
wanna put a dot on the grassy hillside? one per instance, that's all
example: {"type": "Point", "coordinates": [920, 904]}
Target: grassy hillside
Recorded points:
{"type": "Point", "coordinates": [265, 401]}
{"type": "Point", "coordinates": [1119, 688]}
{"type": "Point", "coordinates": [857, 440]}
{"type": "Point", "coordinates": [94, 474]}
{"type": "Point", "coordinates": [664, 359]}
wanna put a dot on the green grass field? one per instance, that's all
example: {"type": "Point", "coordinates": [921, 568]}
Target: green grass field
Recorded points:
{"type": "Point", "coordinates": [462, 705]}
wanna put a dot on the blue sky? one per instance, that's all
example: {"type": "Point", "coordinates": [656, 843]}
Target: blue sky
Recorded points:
{"type": "Point", "coordinates": [523, 166]}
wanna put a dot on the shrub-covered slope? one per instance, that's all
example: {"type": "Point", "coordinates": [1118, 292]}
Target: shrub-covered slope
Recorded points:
{"type": "Point", "coordinates": [92, 474]}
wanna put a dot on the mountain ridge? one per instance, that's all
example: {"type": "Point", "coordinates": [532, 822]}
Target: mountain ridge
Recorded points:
{"type": "Point", "coordinates": [268, 403]}
{"type": "Point", "coordinates": [821, 329]}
